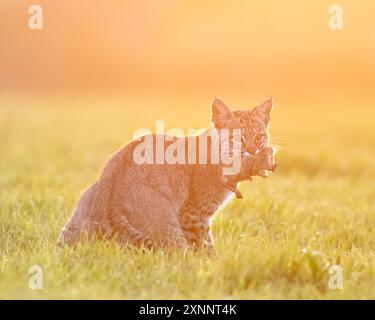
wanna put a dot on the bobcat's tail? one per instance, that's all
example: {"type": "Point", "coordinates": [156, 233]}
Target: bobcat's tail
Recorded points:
{"type": "Point", "coordinates": [69, 235]}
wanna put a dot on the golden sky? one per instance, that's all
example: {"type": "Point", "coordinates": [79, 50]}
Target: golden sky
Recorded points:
{"type": "Point", "coordinates": [269, 45]}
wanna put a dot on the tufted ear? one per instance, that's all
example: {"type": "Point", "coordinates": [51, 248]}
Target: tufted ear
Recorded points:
{"type": "Point", "coordinates": [222, 117]}
{"type": "Point", "coordinates": [263, 111]}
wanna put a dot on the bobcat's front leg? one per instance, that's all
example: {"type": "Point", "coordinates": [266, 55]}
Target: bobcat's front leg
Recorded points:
{"type": "Point", "coordinates": [196, 230]}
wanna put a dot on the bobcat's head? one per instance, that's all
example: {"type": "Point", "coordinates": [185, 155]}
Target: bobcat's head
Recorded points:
{"type": "Point", "coordinates": [253, 123]}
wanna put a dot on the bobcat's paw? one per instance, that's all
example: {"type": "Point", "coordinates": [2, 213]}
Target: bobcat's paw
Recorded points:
{"type": "Point", "coordinates": [210, 248]}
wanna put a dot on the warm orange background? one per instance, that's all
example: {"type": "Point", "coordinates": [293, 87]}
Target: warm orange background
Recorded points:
{"type": "Point", "coordinates": [272, 47]}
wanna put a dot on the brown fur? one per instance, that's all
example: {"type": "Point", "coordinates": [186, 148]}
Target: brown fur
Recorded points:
{"type": "Point", "coordinates": [161, 204]}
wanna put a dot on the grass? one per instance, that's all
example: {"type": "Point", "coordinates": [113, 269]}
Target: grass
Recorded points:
{"type": "Point", "coordinates": [317, 210]}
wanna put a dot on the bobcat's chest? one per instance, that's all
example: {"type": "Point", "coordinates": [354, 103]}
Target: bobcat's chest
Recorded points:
{"type": "Point", "coordinates": [211, 199]}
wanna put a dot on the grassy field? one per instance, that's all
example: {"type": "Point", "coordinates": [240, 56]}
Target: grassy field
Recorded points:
{"type": "Point", "coordinates": [317, 210]}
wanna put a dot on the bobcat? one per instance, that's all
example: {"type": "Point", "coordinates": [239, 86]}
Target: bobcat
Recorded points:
{"type": "Point", "coordinates": [167, 205]}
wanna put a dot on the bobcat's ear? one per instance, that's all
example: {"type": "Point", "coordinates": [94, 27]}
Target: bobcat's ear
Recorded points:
{"type": "Point", "coordinates": [264, 110]}
{"type": "Point", "coordinates": [222, 117]}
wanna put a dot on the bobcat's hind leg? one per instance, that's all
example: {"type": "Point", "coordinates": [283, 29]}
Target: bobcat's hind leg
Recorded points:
{"type": "Point", "coordinates": [174, 236]}
{"type": "Point", "coordinates": [125, 233]}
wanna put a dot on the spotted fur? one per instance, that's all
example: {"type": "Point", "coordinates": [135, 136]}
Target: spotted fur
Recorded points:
{"type": "Point", "coordinates": [161, 204]}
